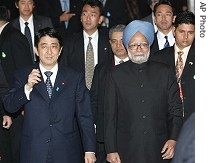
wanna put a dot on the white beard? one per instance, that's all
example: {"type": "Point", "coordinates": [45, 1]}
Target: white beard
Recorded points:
{"type": "Point", "coordinates": [138, 58]}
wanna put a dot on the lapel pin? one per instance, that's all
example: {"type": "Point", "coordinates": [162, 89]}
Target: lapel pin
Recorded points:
{"type": "Point", "coordinates": [63, 83]}
{"type": "Point", "coordinates": [3, 55]}
{"type": "Point", "coordinates": [191, 63]}
{"type": "Point", "coordinates": [57, 89]}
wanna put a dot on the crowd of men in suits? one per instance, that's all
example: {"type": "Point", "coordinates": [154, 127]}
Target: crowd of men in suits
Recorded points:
{"type": "Point", "coordinates": [81, 20]}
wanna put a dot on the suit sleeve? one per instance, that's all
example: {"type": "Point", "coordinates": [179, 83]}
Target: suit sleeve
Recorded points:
{"type": "Point", "coordinates": [110, 116]}
{"type": "Point", "coordinates": [85, 117]}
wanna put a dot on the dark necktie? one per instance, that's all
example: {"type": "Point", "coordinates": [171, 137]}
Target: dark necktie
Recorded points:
{"type": "Point", "coordinates": [121, 61]}
{"type": "Point", "coordinates": [166, 43]}
{"type": "Point", "coordinates": [89, 66]}
{"type": "Point", "coordinates": [48, 83]}
{"type": "Point", "coordinates": [28, 36]}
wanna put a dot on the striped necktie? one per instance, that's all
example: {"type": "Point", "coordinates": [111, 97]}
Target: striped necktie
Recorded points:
{"type": "Point", "coordinates": [166, 43]}
{"type": "Point", "coordinates": [48, 83]}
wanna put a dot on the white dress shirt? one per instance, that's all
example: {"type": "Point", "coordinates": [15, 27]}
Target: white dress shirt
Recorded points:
{"type": "Point", "coordinates": [94, 42]}
{"type": "Point", "coordinates": [162, 40]}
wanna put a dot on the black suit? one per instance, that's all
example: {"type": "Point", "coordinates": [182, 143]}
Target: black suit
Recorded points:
{"type": "Point", "coordinates": [15, 53]}
{"type": "Point", "coordinates": [53, 9]}
{"type": "Point", "coordinates": [97, 100]}
{"type": "Point", "coordinates": [187, 79]}
{"type": "Point", "coordinates": [154, 47]}
{"type": "Point", "coordinates": [40, 22]}
{"type": "Point", "coordinates": [185, 147]}
{"type": "Point", "coordinates": [138, 99]}
{"type": "Point", "coordinates": [73, 51]}
{"type": "Point", "coordinates": [116, 11]}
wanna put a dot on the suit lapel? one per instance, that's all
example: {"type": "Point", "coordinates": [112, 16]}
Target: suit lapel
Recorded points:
{"type": "Point", "coordinates": [60, 82]}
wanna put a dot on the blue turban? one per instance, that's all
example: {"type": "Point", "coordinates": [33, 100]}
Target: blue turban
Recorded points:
{"type": "Point", "coordinates": [143, 27]}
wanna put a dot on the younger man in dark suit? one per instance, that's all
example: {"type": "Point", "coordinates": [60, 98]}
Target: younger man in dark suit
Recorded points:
{"type": "Point", "coordinates": [75, 50]}
{"type": "Point", "coordinates": [58, 122]}
{"type": "Point", "coordinates": [184, 32]}
{"type": "Point", "coordinates": [34, 22]}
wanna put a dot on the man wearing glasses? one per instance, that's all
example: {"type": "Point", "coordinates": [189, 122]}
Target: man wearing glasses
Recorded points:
{"type": "Point", "coordinates": [143, 112]}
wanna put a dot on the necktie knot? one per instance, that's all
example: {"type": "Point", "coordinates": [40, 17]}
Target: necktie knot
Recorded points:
{"type": "Point", "coordinates": [48, 73]}
{"type": "Point", "coordinates": [90, 38]}
{"type": "Point", "coordinates": [121, 61]}
{"type": "Point", "coordinates": [166, 43]}
{"type": "Point", "coordinates": [26, 23]}
{"type": "Point", "coordinates": [180, 53]}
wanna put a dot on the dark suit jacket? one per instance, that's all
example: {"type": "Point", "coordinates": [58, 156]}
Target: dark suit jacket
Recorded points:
{"type": "Point", "coordinates": [154, 47]}
{"type": "Point", "coordinates": [39, 22]}
{"type": "Point", "coordinates": [97, 96]}
{"type": "Point", "coordinates": [73, 51]}
{"type": "Point", "coordinates": [15, 51]}
{"type": "Point", "coordinates": [185, 147]}
{"type": "Point", "coordinates": [138, 100]}
{"type": "Point", "coordinates": [59, 126]}
{"type": "Point", "coordinates": [117, 12]}
{"type": "Point", "coordinates": [53, 9]}
{"type": "Point", "coordinates": [3, 88]}
{"type": "Point", "coordinates": [187, 79]}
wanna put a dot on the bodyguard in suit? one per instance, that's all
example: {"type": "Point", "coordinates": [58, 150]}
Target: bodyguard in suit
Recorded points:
{"type": "Point", "coordinates": [58, 125]}
{"type": "Point", "coordinates": [14, 54]}
{"type": "Point", "coordinates": [140, 95]}
{"type": "Point", "coordinates": [65, 18]}
{"type": "Point", "coordinates": [35, 22]}
{"type": "Point", "coordinates": [184, 32]}
{"type": "Point", "coordinates": [75, 47]}
{"type": "Point", "coordinates": [164, 17]}
{"type": "Point", "coordinates": [98, 86]}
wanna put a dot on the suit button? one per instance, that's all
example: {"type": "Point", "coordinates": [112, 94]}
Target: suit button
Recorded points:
{"type": "Point", "coordinates": [140, 70]}
{"type": "Point", "coordinates": [145, 132]}
{"type": "Point", "coordinates": [51, 125]}
{"type": "Point", "coordinates": [142, 101]}
{"type": "Point", "coordinates": [144, 116]}
{"type": "Point", "coordinates": [47, 141]}
{"type": "Point", "coordinates": [142, 85]}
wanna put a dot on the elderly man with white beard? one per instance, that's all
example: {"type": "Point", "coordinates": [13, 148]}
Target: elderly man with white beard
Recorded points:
{"type": "Point", "coordinates": [143, 110]}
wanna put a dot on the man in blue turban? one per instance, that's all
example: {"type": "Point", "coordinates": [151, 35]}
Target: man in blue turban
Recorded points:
{"type": "Point", "coordinates": [143, 109]}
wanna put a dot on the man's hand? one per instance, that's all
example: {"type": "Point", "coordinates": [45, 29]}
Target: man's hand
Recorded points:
{"type": "Point", "coordinates": [113, 158]}
{"type": "Point", "coordinates": [33, 78]}
{"type": "Point", "coordinates": [168, 149]}
{"type": "Point", "coordinates": [7, 121]}
{"type": "Point", "coordinates": [90, 157]}
{"type": "Point", "coordinates": [66, 16]}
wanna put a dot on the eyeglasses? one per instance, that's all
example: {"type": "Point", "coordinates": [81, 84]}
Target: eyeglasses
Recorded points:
{"type": "Point", "coordinates": [134, 46]}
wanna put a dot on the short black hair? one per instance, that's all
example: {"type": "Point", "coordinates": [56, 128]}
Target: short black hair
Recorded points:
{"type": "Point", "coordinates": [4, 14]}
{"type": "Point", "coordinates": [164, 2]}
{"type": "Point", "coordinates": [186, 17]}
{"type": "Point", "coordinates": [94, 3]}
{"type": "Point", "coordinates": [51, 32]}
